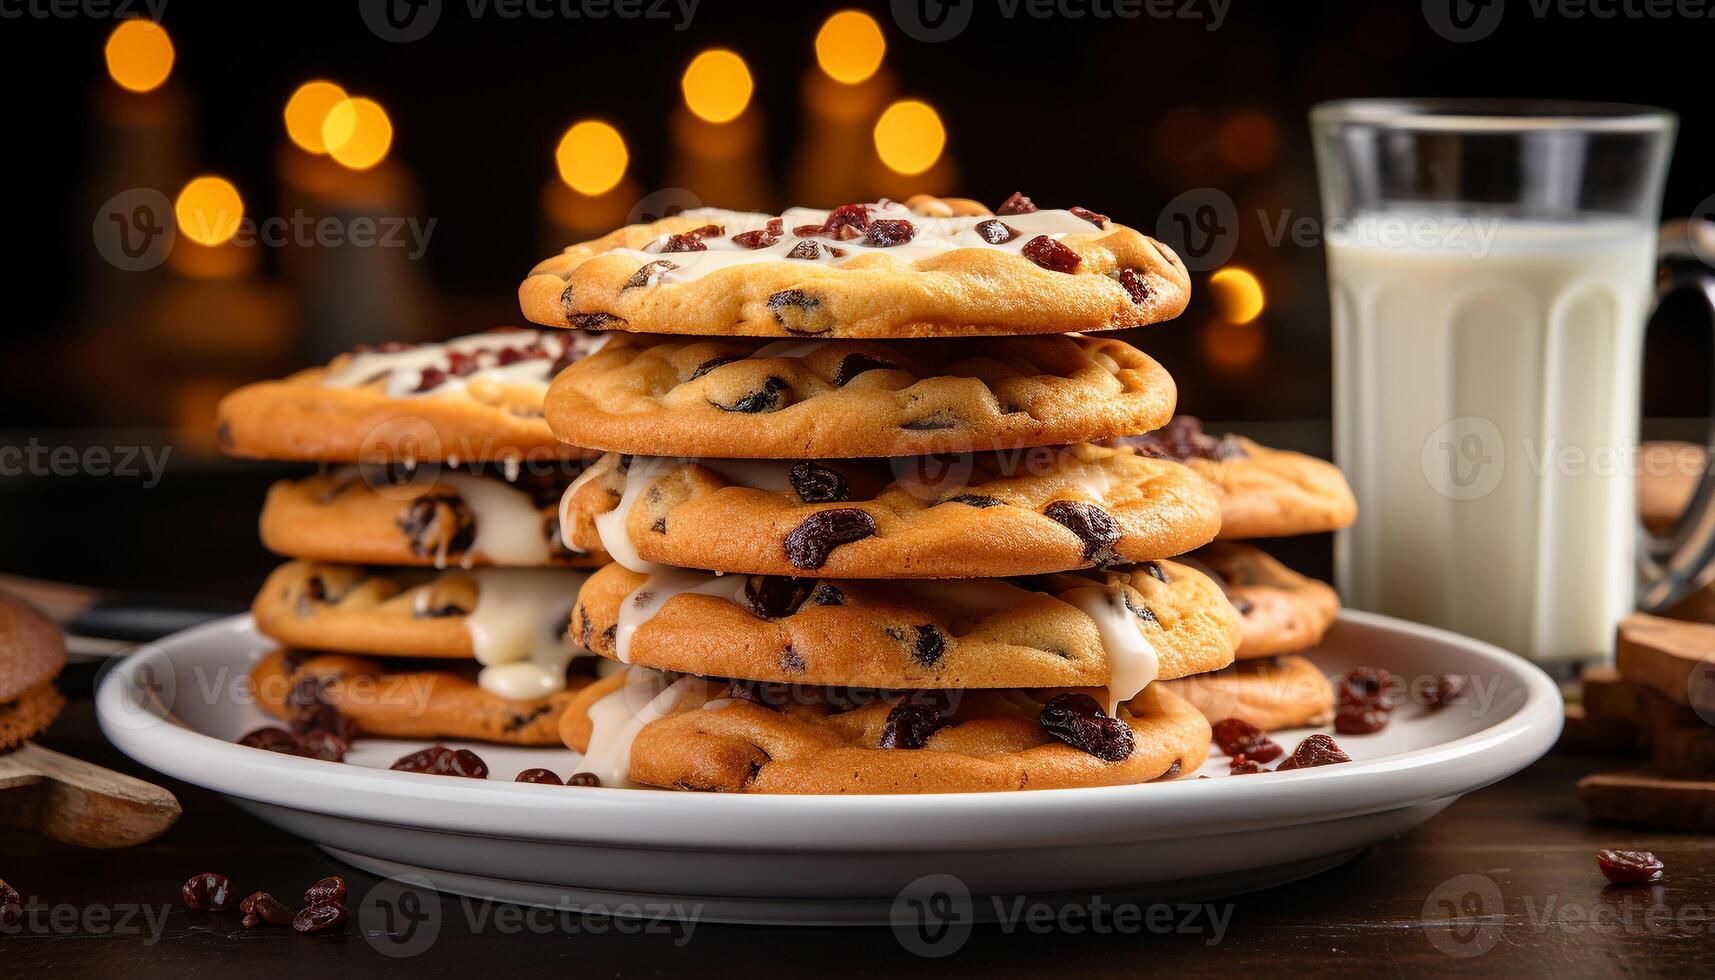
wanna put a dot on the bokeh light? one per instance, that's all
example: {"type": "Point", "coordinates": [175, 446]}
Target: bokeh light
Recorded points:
{"type": "Point", "coordinates": [1238, 294]}
{"type": "Point", "coordinates": [1232, 346]}
{"type": "Point", "coordinates": [849, 47]}
{"type": "Point", "coordinates": [717, 85]}
{"type": "Point", "coordinates": [209, 210]}
{"type": "Point", "coordinates": [909, 137]}
{"type": "Point", "coordinates": [357, 133]}
{"type": "Point", "coordinates": [139, 55]}
{"type": "Point", "coordinates": [591, 157]}
{"type": "Point", "coordinates": [1248, 140]}
{"type": "Point", "coordinates": [308, 109]}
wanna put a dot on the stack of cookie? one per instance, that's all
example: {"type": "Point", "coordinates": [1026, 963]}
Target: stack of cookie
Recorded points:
{"type": "Point", "coordinates": [428, 587]}
{"type": "Point", "coordinates": [1264, 493]}
{"type": "Point", "coordinates": [864, 540]}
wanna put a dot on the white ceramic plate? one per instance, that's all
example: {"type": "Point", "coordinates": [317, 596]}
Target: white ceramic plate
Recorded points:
{"type": "Point", "coordinates": [177, 706]}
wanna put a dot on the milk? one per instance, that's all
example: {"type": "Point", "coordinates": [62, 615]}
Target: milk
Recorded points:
{"type": "Point", "coordinates": [1486, 413]}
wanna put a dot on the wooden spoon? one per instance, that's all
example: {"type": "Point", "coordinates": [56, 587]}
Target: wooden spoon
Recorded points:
{"type": "Point", "coordinates": [79, 803]}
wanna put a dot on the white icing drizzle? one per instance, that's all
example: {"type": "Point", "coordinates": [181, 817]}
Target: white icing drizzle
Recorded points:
{"type": "Point", "coordinates": [615, 720]}
{"type": "Point", "coordinates": [1132, 661]}
{"type": "Point", "coordinates": [934, 236]}
{"type": "Point", "coordinates": [767, 475]}
{"type": "Point", "coordinates": [508, 525]}
{"type": "Point", "coordinates": [641, 606]}
{"type": "Point", "coordinates": [610, 527]}
{"type": "Point", "coordinates": [517, 629]}
{"type": "Point", "coordinates": [404, 368]}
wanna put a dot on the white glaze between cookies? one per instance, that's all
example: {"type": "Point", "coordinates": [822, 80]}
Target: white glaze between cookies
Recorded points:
{"type": "Point", "coordinates": [1132, 661]}
{"type": "Point", "coordinates": [403, 370]}
{"type": "Point", "coordinates": [934, 236]}
{"type": "Point", "coordinates": [517, 630]}
{"type": "Point", "coordinates": [615, 720]}
{"type": "Point", "coordinates": [508, 526]}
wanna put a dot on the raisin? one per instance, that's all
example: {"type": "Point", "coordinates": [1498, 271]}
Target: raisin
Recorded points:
{"type": "Point", "coordinates": [794, 310]}
{"type": "Point", "coordinates": [1243, 766]}
{"type": "Point", "coordinates": [538, 776]}
{"type": "Point", "coordinates": [329, 889]}
{"type": "Point", "coordinates": [929, 646]}
{"type": "Point", "coordinates": [430, 379]}
{"type": "Point", "coordinates": [909, 725]}
{"type": "Point", "coordinates": [1439, 692]}
{"type": "Point", "coordinates": [1237, 737]}
{"type": "Point", "coordinates": [810, 543]}
{"type": "Point", "coordinates": [995, 231]}
{"type": "Point", "coordinates": [438, 525]}
{"type": "Point", "coordinates": [1094, 526]}
{"type": "Point", "coordinates": [777, 227]}
{"type": "Point", "coordinates": [754, 239]}
{"type": "Point", "coordinates": [1316, 750]}
{"type": "Point", "coordinates": [711, 364]}
{"type": "Point", "coordinates": [11, 906]}
{"type": "Point", "coordinates": [806, 251]}
{"type": "Point", "coordinates": [817, 484]}
{"type": "Point", "coordinates": [207, 892]}
{"type": "Point", "coordinates": [461, 363]}
{"type": "Point", "coordinates": [648, 274]}
{"type": "Point", "coordinates": [827, 594]}
{"type": "Point", "coordinates": [325, 745]}
{"type": "Point", "coordinates": [272, 739]}
{"type": "Point", "coordinates": [888, 232]}
{"type": "Point", "coordinates": [595, 321]}
{"type": "Point", "coordinates": [262, 907]}
{"type": "Point", "coordinates": [845, 223]}
{"type": "Point", "coordinates": [320, 918]}
{"type": "Point", "coordinates": [932, 423]}
{"type": "Point", "coordinates": [1077, 720]}
{"type": "Point", "coordinates": [1629, 867]}
{"type": "Point", "coordinates": [976, 500]}
{"type": "Point", "coordinates": [583, 779]}
{"type": "Point", "coordinates": [1016, 204]}
{"type": "Point", "coordinates": [792, 661]}
{"type": "Point", "coordinates": [438, 760]}
{"type": "Point", "coordinates": [776, 596]}
{"type": "Point", "coordinates": [769, 398]}
{"type": "Point", "coordinates": [1183, 438]}
{"type": "Point", "coordinates": [1143, 613]}
{"type": "Point", "coordinates": [687, 242]}
{"type": "Point", "coordinates": [1369, 687]}
{"type": "Point", "coordinates": [1154, 570]}
{"type": "Point", "coordinates": [1099, 220]}
{"type": "Point", "coordinates": [1358, 719]}
{"type": "Point", "coordinates": [1136, 286]}
{"type": "Point", "coordinates": [1051, 255]}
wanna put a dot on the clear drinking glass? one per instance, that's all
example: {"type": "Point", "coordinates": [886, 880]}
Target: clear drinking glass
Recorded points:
{"type": "Point", "coordinates": [1492, 266]}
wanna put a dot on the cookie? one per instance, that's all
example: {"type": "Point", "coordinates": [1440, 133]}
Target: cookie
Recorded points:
{"type": "Point", "coordinates": [394, 700]}
{"type": "Point", "coordinates": [32, 653]}
{"type": "Point", "coordinates": [384, 515]}
{"type": "Point", "coordinates": [1270, 693]}
{"type": "Point", "coordinates": [693, 733]}
{"type": "Point", "coordinates": [742, 399]}
{"type": "Point", "coordinates": [473, 398]}
{"type": "Point", "coordinates": [1029, 512]}
{"type": "Point", "coordinates": [1280, 611]}
{"type": "Point", "coordinates": [1264, 493]}
{"type": "Point", "coordinates": [880, 270]}
{"type": "Point", "coordinates": [511, 620]}
{"type": "Point", "coordinates": [1118, 629]}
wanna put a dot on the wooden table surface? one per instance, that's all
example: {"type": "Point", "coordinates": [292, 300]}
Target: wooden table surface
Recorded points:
{"type": "Point", "coordinates": [1517, 858]}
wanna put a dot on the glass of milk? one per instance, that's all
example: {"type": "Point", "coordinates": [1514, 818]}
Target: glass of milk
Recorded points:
{"type": "Point", "coordinates": [1492, 266]}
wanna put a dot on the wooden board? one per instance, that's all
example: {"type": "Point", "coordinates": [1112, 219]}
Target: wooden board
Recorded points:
{"type": "Point", "coordinates": [1650, 799]}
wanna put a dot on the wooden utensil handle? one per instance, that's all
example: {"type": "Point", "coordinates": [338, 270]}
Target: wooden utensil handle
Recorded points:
{"type": "Point", "coordinates": [79, 803]}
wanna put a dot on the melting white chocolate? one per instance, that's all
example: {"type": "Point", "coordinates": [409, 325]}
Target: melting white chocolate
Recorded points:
{"type": "Point", "coordinates": [404, 368]}
{"type": "Point", "coordinates": [641, 606]}
{"type": "Point", "coordinates": [508, 526]}
{"type": "Point", "coordinates": [1132, 661]}
{"type": "Point", "coordinates": [615, 720]}
{"type": "Point", "coordinates": [517, 629]}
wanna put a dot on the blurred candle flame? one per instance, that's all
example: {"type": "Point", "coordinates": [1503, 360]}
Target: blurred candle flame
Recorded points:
{"type": "Point", "coordinates": [209, 210]}
{"type": "Point", "coordinates": [357, 133]}
{"type": "Point", "coordinates": [591, 157]}
{"type": "Point", "coordinates": [1238, 294]}
{"type": "Point", "coordinates": [717, 85]}
{"type": "Point", "coordinates": [909, 137]}
{"type": "Point", "coordinates": [850, 46]}
{"type": "Point", "coordinates": [307, 111]}
{"type": "Point", "coordinates": [139, 55]}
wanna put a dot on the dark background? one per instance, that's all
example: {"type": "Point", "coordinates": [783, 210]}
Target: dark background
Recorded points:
{"type": "Point", "coordinates": [1117, 114]}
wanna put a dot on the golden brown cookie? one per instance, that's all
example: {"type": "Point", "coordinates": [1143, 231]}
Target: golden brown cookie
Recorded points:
{"type": "Point", "coordinates": [932, 269]}
{"type": "Point", "coordinates": [1280, 611]}
{"type": "Point", "coordinates": [474, 398]}
{"type": "Point", "coordinates": [692, 733]}
{"type": "Point", "coordinates": [32, 653]}
{"type": "Point", "coordinates": [1264, 493]}
{"type": "Point", "coordinates": [1271, 693]}
{"type": "Point", "coordinates": [383, 700]}
{"type": "Point", "coordinates": [742, 399]}
{"type": "Point", "coordinates": [511, 620]}
{"type": "Point", "coordinates": [377, 515]}
{"type": "Point", "coordinates": [1018, 513]}
{"type": "Point", "coordinates": [1075, 630]}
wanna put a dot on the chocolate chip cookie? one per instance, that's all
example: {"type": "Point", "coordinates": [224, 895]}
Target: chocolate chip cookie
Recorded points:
{"type": "Point", "coordinates": [1116, 629]}
{"type": "Point", "coordinates": [1280, 611]}
{"type": "Point", "coordinates": [474, 398]}
{"type": "Point", "coordinates": [988, 514]}
{"type": "Point", "coordinates": [1270, 693]}
{"type": "Point", "coordinates": [740, 399]}
{"type": "Point", "coordinates": [388, 515]}
{"type": "Point", "coordinates": [694, 733]}
{"type": "Point", "coordinates": [1264, 493]}
{"type": "Point", "coordinates": [926, 269]}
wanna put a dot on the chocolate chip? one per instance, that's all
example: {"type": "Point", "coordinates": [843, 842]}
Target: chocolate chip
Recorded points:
{"type": "Point", "coordinates": [796, 310]}
{"type": "Point", "coordinates": [791, 661]}
{"type": "Point", "coordinates": [438, 760]}
{"type": "Point", "coordinates": [1143, 613]}
{"type": "Point", "coordinates": [810, 543]}
{"type": "Point", "coordinates": [595, 321]}
{"type": "Point", "coordinates": [1077, 720]}
{"type": "Point", "coordinates": [932, 423]}
{"type": "Point", "coordinates": [817, 484]}
{"type": "Point", "coordinates": [271, 739]}
{"type": "Point", "coordinates": [995, 232]}
{"type": "Point", "coordinates": [1051, 255]}
{"type": "Point", "coordinates": [853, 365]}
{"type": "Point", "coordinates": [769, 398]}
{"type": "Point", "coordinates": [223, 435]}
{"type": "Point", "coordinates": [711, 364]}
{"type": "Point", "coordinates": [909, 725]}
{"type": "Point", "coordinates": [758, 238]}
{"type": "Point", "coordinates": [976, 500]}
{"type": "Point", "coordinates": [1316, 750]}
{"type": "Point", "coordinates": [1016, 204]}
{"type": "Point", "coordinates": [1242, 605]}
{"type": "Point", "coordinates": [1094, 526]}
{"type": "Point", "coordinates": [584, 636]}
{"type": "Point", "coordinates": [776, 596]}
{"type": "Point", "coordinates": [1183, 438]}
{"type": "Point", "coordinates": [888, 232]}
{"type": "Point", "coordinates": [827, 594]}
{"type": "Point", "coordinates": [441, 611]}
{"type": "Point", "coordinates": [930, 645]}
{"type": "Point", "coordinates": [648, 274]}
{"type": "Point", "coordinates": [438, 525]}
